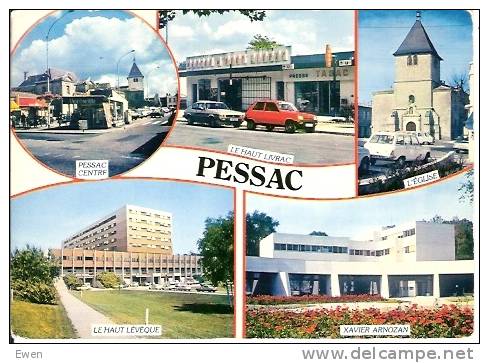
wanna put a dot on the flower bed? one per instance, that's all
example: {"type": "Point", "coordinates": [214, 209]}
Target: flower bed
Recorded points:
{"type": "Point", "coordinates": [447, 321]}
{"type": "Point", "coordinates": [310, 299]}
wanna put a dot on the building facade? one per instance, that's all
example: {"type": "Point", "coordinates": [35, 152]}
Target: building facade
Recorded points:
{"type": "Point", "coordinates": [240, 78]}
{"type": "Point", "coordinates": [419, 99]}
{"type": "Point", "coordinates": [364, 121]}
{"type": "Point", "coordinates": [134, 91]}
{"type": "Point", "coordinates": [128, 229]}
{"type": "Point", "coordinates": [416, 259]}
{"type": "Point", "coordinates": [155, 267]}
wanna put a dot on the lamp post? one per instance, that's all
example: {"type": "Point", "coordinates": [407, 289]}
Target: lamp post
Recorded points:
{"type": "Point", "coordinates": [122, 56]}
{"type": "Point", "coordinates": [48, 73]}
{"type": "Point", "coordinates": [147, 79]}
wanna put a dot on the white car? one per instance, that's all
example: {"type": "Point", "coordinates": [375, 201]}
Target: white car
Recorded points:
{"type": "Point", "coordinates": [424, 137]}
{"type": "Point", "coordinates": [363, 161]}
{"type": "Point", "coordinates": [396, 146]}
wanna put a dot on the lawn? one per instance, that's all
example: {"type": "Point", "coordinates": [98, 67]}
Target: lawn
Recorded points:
{"type": "Point", "coordinates": [39, 321]}
{"type": "Point", "coordinates": [181, 315]}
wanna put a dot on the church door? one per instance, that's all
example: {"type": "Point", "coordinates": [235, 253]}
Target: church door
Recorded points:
{"type": "Point", "coordinates": [410, 126]}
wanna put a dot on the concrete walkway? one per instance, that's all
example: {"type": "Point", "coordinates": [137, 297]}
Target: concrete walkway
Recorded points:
{"type": "Point", "coordinates": [81, 315]}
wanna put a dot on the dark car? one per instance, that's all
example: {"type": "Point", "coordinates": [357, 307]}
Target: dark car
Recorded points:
{"type": "Point", "coordinates": [214, 114]}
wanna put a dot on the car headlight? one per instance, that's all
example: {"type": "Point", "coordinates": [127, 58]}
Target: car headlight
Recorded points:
{"type": "Point", "coordinates": [300, 118]}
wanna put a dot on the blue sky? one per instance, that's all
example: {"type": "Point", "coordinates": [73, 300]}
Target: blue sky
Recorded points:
{"type": "Point", "coordinates": [382, 32]}
{"type": "Point", "coordinates": [89, 43]}
{"type": "Point", "coordinates": [356, 217]}
{"type": "Point", "coordinates": [44, 218]}
{"type": "Point", "coordinates": [305, 30]}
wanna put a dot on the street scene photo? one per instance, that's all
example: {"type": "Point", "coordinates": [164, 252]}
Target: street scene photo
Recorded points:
{"type": "Point", "coordinates": [273, 81]}
{"type": "Point", "coordinates": [404, 260]}
{"type": "Point", "coordinates": [415, 112]}
{"type": "Point", "coordinates": [90, 85]}
{"type": "Point", "coordinates": [128, 254]}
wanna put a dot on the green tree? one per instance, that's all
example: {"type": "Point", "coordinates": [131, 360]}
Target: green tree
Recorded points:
{"type": "Point", "coordinates": [217, 250]}
{"type": "Point", "coordinates": [165, 16]}
{"type": "Point", "coordinates": [258, 226]}
{"type": "Point", "coordinates": [30, 264]}
{"type": "Point", "coordinates": [467, 188]}
{"type": "Point", "coordinates": [318, 233]}
{"type": "Point", "coordinates": [72, 282]}
{"type": "Point", "coordinates": [109, 280]}
{"type": "Point", "coordinates": [262, 42]}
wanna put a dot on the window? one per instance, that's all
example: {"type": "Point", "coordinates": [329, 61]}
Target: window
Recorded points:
{"type": "Point", "coordinates": [415, 59]}
{"type": "Point", "coordinates": [270, 106]}
{"type": "Point", "coordinates": [411, 98]}
{"type": "Point", "coordinates": [135, 80]}
{"type": "Point", "coordinates": [409, 60]}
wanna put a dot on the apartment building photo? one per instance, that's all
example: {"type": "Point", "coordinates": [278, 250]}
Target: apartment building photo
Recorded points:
{"type": "Point", "coordinates": [414, 259]}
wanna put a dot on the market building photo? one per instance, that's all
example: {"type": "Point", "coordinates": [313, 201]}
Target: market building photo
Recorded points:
{"type": "Point", "coordinates": [300, 84]}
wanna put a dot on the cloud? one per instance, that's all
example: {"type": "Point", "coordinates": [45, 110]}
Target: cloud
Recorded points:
{"type": "Point", "coordinates": [92, 46]}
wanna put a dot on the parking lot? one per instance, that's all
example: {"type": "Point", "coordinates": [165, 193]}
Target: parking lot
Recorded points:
{"type": "Point", "coordinates": [311, 148]}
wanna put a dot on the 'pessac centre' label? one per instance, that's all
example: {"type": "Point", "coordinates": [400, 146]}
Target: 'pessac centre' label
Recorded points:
{"type": "Point", "coordinates": [92, 169]}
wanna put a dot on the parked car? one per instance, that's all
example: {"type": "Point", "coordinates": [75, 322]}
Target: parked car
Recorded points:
{"type": "Point", "coordinates": [214, 114]}
{"type": "Point", "coordinates": [134, 284]}
{"type": "Point", "coordinates": [363, 160]}
{"type": "Point", "coordinates": [396, 146]}
{"type": "Point", "coordinates": [206, 288]}
{"type": "Point", "coordinates": [424, 137]}
{"type": "Point", "coordinates": [156, 287]}
{"type": "Point", "coordinates": [183, 287]}
{"type": "Point", "coordinates": [279, 113]}
{"type": "Point", "coordinates": [461, 145]}
{"type": "Point", "coordinates": [155, 113]}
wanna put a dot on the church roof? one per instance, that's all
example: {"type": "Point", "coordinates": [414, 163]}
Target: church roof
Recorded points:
{"type": "Point", "coordinates": [417, 41]}
{"type": "Point", "coordinates": [135, 72]}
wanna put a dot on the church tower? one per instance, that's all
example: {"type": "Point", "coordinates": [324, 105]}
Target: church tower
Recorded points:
{"type": "Point", "coordinates": [135, 79]}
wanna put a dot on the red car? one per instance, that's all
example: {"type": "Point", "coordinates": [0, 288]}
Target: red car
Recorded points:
{"type": "Point", "coordinates": [279, 113]}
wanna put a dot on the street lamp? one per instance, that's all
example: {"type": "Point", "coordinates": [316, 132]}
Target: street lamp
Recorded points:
{"type": "Point", "coordinates": [147, 79]}
{"type": "Point", "coordinates": [122, 56]}
{"type": "Point", "coordinates": [48, 73]}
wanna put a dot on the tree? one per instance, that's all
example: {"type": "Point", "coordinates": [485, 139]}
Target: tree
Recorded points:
{"type": "Point", "coordinates": [467, 188]}
{"type": "Point", "coordinates": [460, 80]}
{"type": "Point", "coordinates": [262, 42]}
{"type": "Point", "coordinates": [30, 264]}
{"type": "Point", "coordinates": [165, 16]}
{"type": "Point", "coordinates": [109, 280]}
{"type": "Point", "coordinates": [258, 226]}
{"type": "Point", "coordinates": [217, 250]}
{"type": "Point", "coordinates": [72, 282]}
{"type": "Point", "coordinates": [464, 236]}
{"type": "Point", "coordinates": [318, 233]}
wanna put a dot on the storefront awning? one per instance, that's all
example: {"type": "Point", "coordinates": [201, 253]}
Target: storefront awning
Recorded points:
{"type": "Point", "coordinates": [31, 102]}
{"type": "Point", "coordinates": [14, 106]}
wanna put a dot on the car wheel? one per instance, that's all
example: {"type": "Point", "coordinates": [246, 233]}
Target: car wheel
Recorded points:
{"type": "Point", "coordinates": [310, 130]}
{"type": "Point", "coordinates": [401, 162]}
{"type": "Point", "coordinates": [270, 128]}
{"type": "Point", "coordinates": [236, 125]}
{"type": "Point", "coordinates": [364, 166]}
{"type": "Point", "coordinates": [213, 122]}
{"type": "Point", "coordinates": [372, 161]}
{"type": "Point", "coordinates": [427, 158]}
{"type": "Point", "coordinates": [290, 127]}
{"type": "Point", "coordinates": [190, 121]}
{"type": "Point", "coordinates": [250, 125]}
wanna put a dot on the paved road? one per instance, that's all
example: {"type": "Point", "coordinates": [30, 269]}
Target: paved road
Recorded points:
{"type": "Point", "coordinates": [316, 148]}
{"type": "Point", "coordinates": [124, 147]}
{"type": "Point", "coordinates": [80, 314]}
{"type": "Point", "coordinates": [438, 150]}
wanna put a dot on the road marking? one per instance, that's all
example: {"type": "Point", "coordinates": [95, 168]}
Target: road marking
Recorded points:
{"type": "Point", "coordinates": [156, 122]}
{"type": "Point", "coordinates": [147, 123]}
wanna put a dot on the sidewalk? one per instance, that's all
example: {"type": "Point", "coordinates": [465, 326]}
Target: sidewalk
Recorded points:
{"type": "Point", "coordinates": [81, 315]}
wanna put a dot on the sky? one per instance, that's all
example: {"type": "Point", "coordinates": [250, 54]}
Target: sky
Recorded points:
{"type": "Point", "coordinates": [90, 43]}
{"type": "Point", "coordinates": [381, 32]}
{"type": "Point", "coordinates": [306, 31]}
{"type": "Point", "coordinates": [361, 216]}
{"type": "Point", "coordinates": [45, 218]}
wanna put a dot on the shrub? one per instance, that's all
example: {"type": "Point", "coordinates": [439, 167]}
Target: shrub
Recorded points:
{"type": "Point", "coordinates": [34, 292]}
{"type": "Point", "coordinates": [310, 299]}
{"type": "Point", "coordinates": [447, 321]}
{"type": "Point", "coordinates": [72, 282]}
{"type": "Point", "coordinates": [109, 279]}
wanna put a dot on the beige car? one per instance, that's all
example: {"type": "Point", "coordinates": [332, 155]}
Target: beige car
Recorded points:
{"type": "Point", "coordinates": [214, 114]}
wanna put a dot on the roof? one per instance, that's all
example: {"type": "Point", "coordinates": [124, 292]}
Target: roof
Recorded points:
{"type": "Point", "coordinates": [135, 72]}
{"type": "Point", "coordinates": [54, 74]}
{"type": "Point", "coordinates": [417, 41]}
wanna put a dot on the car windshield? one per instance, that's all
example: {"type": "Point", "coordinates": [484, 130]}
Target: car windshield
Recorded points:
{"type": "Point", "coordinates": [286, 106]}
{"type": "Point", "coordinates": [217, 106]}
{"type": "Point", "coordinates": [382, 139]}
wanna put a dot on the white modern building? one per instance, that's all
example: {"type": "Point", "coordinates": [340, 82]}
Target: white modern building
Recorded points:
{"type": "Point", "coordinates": [416, 259]}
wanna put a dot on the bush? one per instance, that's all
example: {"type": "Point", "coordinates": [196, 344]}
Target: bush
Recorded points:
{"type": "Point", "coordinates": [72, 282]}
{"type": "Point", "coordinates": [448, 321]}
{"type": "Point", "coordinates": [34, 292]}
{"type": "Point", "coordinates": [109, 280]}
{"type": "Point", "coordinates": [310, 299]}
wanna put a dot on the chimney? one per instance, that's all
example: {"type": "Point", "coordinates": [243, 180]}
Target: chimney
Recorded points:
{"type": "Point", "coordinates": [328, 56]}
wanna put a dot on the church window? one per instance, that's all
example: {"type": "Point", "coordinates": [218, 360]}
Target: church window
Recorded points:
{"type": "Point", "coordinates": [409, 60]}
{"type": "Point", "coordinates": [411, 99]}
{"type": "Point", "coordinates": [415, 59]}
{"type": "Point", "coordinates": [135, 80]}
{"type": "Point", "coordinates": [410, 110]}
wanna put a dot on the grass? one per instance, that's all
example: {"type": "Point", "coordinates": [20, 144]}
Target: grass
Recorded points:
{"type": "Point", "coordinates": [181, 315]}
{"type": "Point", "coordinates": [39, 321]}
